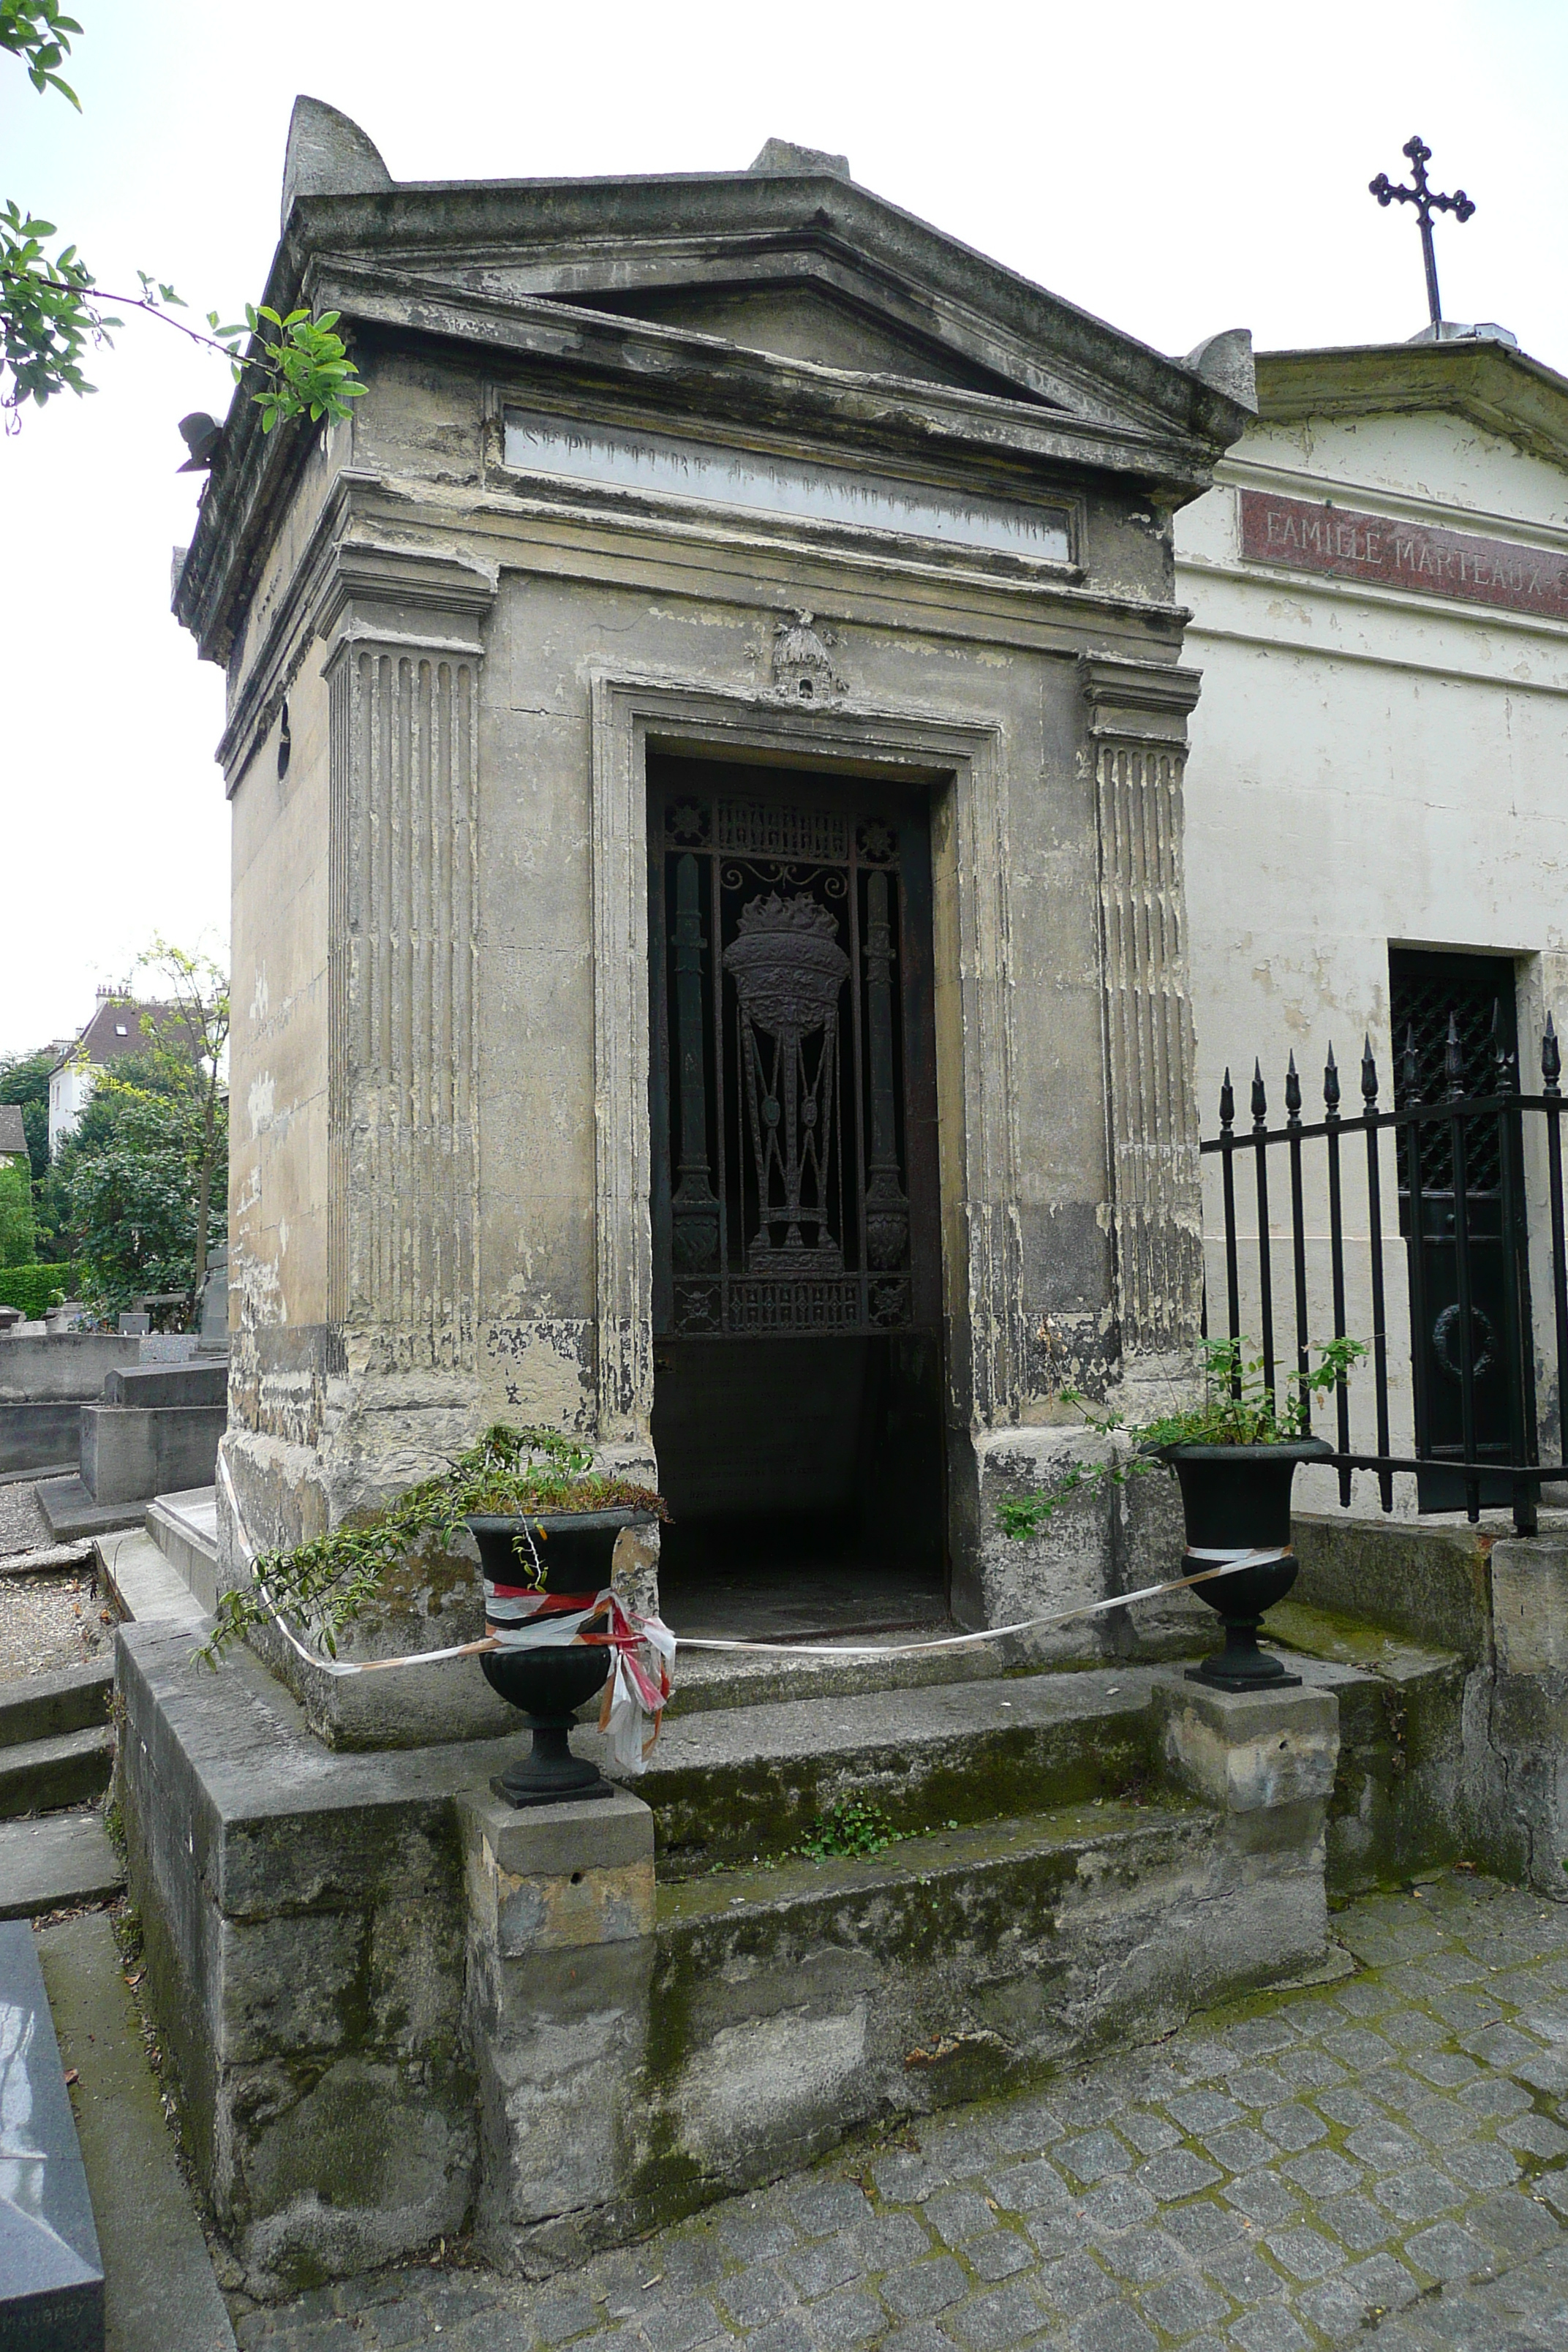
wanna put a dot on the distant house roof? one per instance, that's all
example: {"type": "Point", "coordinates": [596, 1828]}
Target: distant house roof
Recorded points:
{"type": "Point", "coordinates": [121, 1027]}
{"type": "Point", "coordinates": [13, 1134]}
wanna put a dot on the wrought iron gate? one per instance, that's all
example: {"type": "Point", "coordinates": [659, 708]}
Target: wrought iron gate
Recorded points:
{"type": "Point", "coordinates": [794, 1094]}
{"type": "Point", "coordinates": [1454, 1026]}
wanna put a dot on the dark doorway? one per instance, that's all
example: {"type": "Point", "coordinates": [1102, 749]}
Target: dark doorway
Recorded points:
{"type": "Point", "coordinates": [798, 1361]}
{"type": "Point", "coordinates": [1427, 992]}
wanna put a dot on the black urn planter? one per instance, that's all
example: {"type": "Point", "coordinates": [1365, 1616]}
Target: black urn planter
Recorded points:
{"type": "Point", "coordinates": [1236, 1498]}
{"type": "Point", "coordinates": [549, 1684]}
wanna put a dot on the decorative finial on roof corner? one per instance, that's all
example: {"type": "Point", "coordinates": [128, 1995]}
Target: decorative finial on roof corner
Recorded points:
{"type": "Point", "coordinates": [1225, 361]}
{"type": "Point", "coordinates": [781, 155]}
{"type": "Point", "coordinates": [328, 155]}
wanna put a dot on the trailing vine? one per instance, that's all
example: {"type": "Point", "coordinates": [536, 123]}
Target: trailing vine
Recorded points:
{"type": "Point", "coordinates": [529, 1473]}
{"type": "Point", "coordinates": [1237, 1408]}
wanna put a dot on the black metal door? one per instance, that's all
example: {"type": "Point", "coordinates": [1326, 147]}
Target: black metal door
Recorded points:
{"type": "Point", "coordinates": [794, 1084]}
{"type": "Point", "coordinates": [1452, 1017]}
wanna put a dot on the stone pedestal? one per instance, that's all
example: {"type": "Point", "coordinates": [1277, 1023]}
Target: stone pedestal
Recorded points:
{"type": "Point", "coordinates": [561, 1923]}
{"type": "Point", "coordinates": [1528, 1721]}
{"type": "Point", "coordinates": [1265, 1760]}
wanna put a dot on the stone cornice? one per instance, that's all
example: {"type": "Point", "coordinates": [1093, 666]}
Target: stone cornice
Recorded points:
{"type": "Point", "coordinates": [1502, 390]}
{"type": "Point", "coordinates": [569, 238]}
{"type": "Point", "coordinates": [354, 587]}
{"type": "Point", "coordinates": [1138, 701]}
{"type": "Point", "coordinates": [381, 589]}
{"type": "Point", "coordinates": [706, 376]}
{"type": "Point", "coordinates": [1097, 399]}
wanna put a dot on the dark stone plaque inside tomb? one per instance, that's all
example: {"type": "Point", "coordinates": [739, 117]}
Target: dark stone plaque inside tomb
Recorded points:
{"type": "Point", "coordinates": [51, 2281]}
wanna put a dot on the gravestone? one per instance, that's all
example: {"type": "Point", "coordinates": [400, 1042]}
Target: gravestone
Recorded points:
{"type": "Point", "coordinates": [51, 2281]}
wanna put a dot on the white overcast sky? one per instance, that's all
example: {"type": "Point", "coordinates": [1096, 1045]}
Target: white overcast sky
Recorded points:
{"type": "Point", "coordinates": [1174, 169]}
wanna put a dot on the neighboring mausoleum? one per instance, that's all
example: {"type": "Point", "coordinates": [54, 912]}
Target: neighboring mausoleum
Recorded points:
{"type": "Point", "coordinates": [1377, 828]}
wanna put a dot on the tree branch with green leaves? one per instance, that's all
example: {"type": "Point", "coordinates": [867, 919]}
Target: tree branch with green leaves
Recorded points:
{"type": "Point", "coordinates": [53, 312]}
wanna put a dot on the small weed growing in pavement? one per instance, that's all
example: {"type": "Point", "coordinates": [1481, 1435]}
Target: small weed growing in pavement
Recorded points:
{"type": "Point", "coordinates": [854, 1828]}
{"type": "Point", "coordinates": [854, 1825]}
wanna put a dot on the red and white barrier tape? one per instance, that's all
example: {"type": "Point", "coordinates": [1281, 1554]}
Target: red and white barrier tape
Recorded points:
{"type": "Point", "coordinates": [640, 1688]}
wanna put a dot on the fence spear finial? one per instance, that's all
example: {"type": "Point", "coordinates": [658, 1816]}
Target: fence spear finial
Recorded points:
{"type": "Point", "coordinates": [1411, 1067]}
{"type": "Point", "coordinates": [1260, 1096]}
{"type": "Point", "coordinates": [1506, 1058]}
{"type": "Point", "coordinates": [1368, 1072]}
{"type": "Point", "coordinates": [1551, 1058]}
{"type": "Point", "coordinates": [1226, 1103]}
{"type": "Point", "coordinates": [1331, 1084]}
{"type": "Point", "coordinates": [1292, 1094]}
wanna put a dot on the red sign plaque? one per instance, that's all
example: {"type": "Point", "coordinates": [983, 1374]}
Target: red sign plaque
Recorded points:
{"type": "Point", "coordinates": [1305, 537]}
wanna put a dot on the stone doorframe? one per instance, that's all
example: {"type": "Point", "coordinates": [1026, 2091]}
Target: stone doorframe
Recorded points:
{"type": "Point", "coordinates": [978, 1154]}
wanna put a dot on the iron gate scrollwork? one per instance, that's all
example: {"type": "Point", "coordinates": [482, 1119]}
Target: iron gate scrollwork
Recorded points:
{"type": "Point", "coordinates": [792, 1087]}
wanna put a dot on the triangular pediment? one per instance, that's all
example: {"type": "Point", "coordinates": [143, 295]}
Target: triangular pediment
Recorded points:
{"type": "Point", "coordinates": [798, 264]}
{"type": "Point", "coordinates": [792, 320]}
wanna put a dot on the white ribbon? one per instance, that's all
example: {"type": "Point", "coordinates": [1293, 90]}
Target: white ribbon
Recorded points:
{"type": "Point", "coordinates": [627, 1708]}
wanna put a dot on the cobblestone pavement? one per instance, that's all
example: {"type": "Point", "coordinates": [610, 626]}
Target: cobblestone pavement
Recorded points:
{"type": "Point", "coordinates": [1382, 2156]}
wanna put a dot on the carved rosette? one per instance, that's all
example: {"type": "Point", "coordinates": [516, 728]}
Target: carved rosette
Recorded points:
{"type": "Point", "coordinates": [1137, 714]}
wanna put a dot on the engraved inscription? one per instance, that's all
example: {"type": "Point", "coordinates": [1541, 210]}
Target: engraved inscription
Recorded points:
{"type": "Point", "coordinates": [1348, 545]}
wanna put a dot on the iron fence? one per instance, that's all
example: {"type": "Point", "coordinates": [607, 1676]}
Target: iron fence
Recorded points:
{"type": "Point", "coordinates": [1476, 1180]}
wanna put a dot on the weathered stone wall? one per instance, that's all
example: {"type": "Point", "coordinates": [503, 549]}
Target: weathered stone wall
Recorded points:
{"type": "Point", "coordinates": [440, 1188]}
{"type": "Point", "coordinates": [397, 2004]}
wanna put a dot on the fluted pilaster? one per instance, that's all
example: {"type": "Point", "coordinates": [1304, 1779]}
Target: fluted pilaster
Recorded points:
{"type": "Point", "coordinates": [1138, 716]}
{"type": "Point", "coordinates": [403, 676]}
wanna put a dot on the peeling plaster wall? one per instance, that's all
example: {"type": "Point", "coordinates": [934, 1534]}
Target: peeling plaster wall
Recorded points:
{"type": "Point", "coordinates": [1367, 766]}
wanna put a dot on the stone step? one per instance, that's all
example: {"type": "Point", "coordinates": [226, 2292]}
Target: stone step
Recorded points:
{"type": "Point", "coordinates": [48, 1706]}
{"type": "Point", "coordinates": [928, 1907]}
{"type": "Point", "coordinates": [185, 1529]}
{"type": "Point", "coordinates": [38, 1774]}
{"type": "Point", "coordinates": [730, 1784]}
{"type": "Point", "coordinates": [146, 1585]}
{"type": "Point", "coordinates": [707, 1680]}
{"type": "Point", "coordinates": [1395, 1807]}
{"type": "Point", "coordinates": [70, 1511]}
{"type": "Point", "coordinates": [54, 1862]}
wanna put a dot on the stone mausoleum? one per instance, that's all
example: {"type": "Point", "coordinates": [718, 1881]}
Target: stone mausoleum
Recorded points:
{"type": "Point", "coordinates": [705, 742]}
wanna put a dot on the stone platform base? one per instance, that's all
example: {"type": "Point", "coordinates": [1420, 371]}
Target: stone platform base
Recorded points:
{"type": "Point", "coordinates": [398, 2005]}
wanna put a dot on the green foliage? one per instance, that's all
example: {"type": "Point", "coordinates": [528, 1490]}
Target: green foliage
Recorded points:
{"type": "Point", "coordinates": [308, 366]}
{"type": "Point", "coordinates": [527, 1473]}
{"type": "Point", "coordinates": [24, 1080]}
{"type": "Point", "coordinates": [1235, 1409]}
{"type": "Point", "coordinates": [52, 312]}
{"type": "Point", "coordinates": [18, 1224]}
{"type": "Point", "coordinates": [129, 1198]}
{"type": "Point", "coordinates": [140, 1189]}
{"type": "Point", "coordinates": [35, 31]}
{"type": "Point", "coordinates": [854, 1825]}
{"type": "Point", "coordinates": [35, 1288]}
{"type": "Point", "coordinates": [48, 320]}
